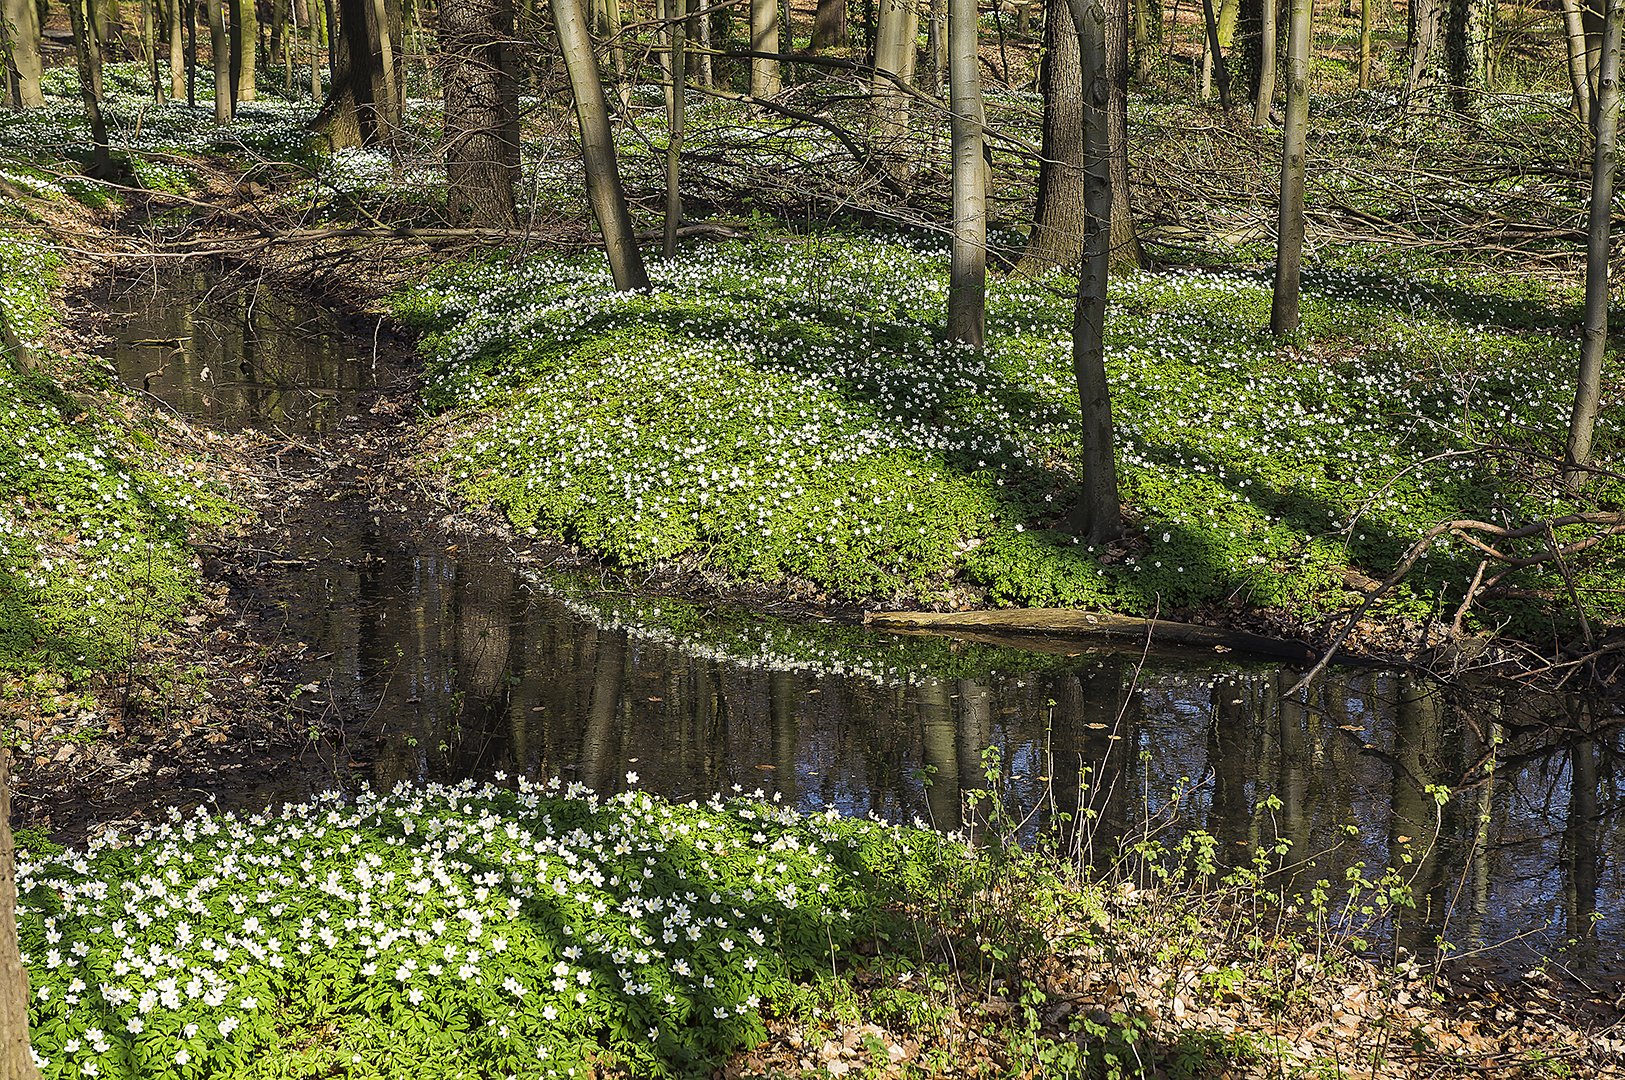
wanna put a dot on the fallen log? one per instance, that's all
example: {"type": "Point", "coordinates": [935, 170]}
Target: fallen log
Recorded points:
{"type": "Point", "coordinates": [1067, 622]}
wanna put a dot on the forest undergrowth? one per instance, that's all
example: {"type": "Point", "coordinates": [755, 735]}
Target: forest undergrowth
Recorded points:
{"type": "Point", "coordinates": [782, 410]}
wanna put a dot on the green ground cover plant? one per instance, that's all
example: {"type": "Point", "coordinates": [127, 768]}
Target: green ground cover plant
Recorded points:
{"type": "Point", "coordinates": [451, 932]}
{"type": "Point", "coordinates": [96, 507]}
{"type": "Point", "coordinates": [787, 411]}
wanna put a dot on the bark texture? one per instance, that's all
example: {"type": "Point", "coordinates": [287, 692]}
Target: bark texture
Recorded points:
{"type": "Point", "coordinates": [1587, 392]}
{"type": "Point", "coordinates": [764, 38]}
{"type": "Point", "coordinates": [482, 111]}
{"type": "Point", "coordinates": [23, 35]}
{"type": "Point", "coordinates": [598, 148]}
{"type": "Point", "coordinates": [967, 276]}
{"type": "Point", "coordinates": [1289, 222]}
{"type": "Point", "coordinates": [829, 26]}
{"type": "Point", "coordinates": [1098, 516]}
{"type": "Point", "coordinates": [362, 108]}
{"type": "Point", "coordinates": [16, 1062]}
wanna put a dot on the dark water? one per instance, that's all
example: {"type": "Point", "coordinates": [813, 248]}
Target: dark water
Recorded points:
{"type": "Point", "coordinates": [461, 667]}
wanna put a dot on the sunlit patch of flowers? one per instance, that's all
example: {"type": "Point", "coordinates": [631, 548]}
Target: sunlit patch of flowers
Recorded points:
{"type": "Point", "coordinates": [466, 931]}
{"type": "Point", "coordinates": [788, 410]}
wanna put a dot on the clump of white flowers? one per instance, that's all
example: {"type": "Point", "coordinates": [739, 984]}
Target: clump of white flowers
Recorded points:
{"type": "Point", "coordinates": [468, 930]}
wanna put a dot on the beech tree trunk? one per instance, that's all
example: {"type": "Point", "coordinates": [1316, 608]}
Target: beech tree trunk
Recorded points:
{"type": "Point", "coordinates": [16, 1062]}
{"type": "Point", "coordinates": [1365, 44]}
{"type": "Point", "coordinates": [245, 37]}
{"type": "Point", "coordinates": [482, 111]}
{"type": "Point", "coordinates": [177, 51]}
{"type": "Point", "coordinates": [676, 110]}
{"type": "Point", "coordinates": [598, 148]}
{"type": "Point", "coordinates": [1588, 390]}
{"type": "Point", "coordinates": [1098, 516]}
{"type": "Point", "coordinates": [1579, 74]}
{"type": "Point", "coordinates": [1126, 252]}
{"type": "Point", "coordinates": [1267, 32]}
{"type": "Point", "coordinates": [23, 72]}
{"type": "Point", "coordinates": [764, 38]}
{"type": "Point", "coordinates": [1289, 223]}
{"type": "Point", "coordinates": [967, 278]}
{"type": "Point", "coordinates": [895, 43]}
{"type": "Point", "coordinates": [221, 54]}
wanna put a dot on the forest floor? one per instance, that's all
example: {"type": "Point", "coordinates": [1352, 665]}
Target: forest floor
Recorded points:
{"type": "Point", "coordinates": [916, 475]}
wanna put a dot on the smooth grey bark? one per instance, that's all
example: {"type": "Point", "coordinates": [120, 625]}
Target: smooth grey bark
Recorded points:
{"type": "Point", "coordinates": [764, 38]}
{"type": "Point", "coordinates": [177, 51]}
{"type": "Point", "coordinates": [313, 30]}
{"type": "Point", "coordinates": [1098, 516]}
{"type": "Point", "coordinates": [16, 1061]}
{"type": "Point", "coordinates": [1588, 388]}
{"type": "Point", "coordinates": [1574, 34]}
{"type": "Point", "coordinates": [481, 111]}
{"type": "Point", "coordinates": [1268, 20]}
{"type": "Point", "coordinates": [598, 148]}
{"type": "Point", "coordinates": [245, 36]}
{"type": "Point", "coordinates": [967, 275]}
{"type": "Point", "coordinates": [895, 41]}
{"type": "Point", "coordinates": [676, 110]}
{"type": "Point", "coordinates": [1294, 147]}
{"type": "Point", "coordinates": [1126, 252]}
{"type": "Point", "coordinates": [220, 51]}
{"type": "Point", "coordinates": [22, 19]}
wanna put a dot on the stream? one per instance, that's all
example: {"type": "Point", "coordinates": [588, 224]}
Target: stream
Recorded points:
{"type": "Point", "coordinates": [447, 666]}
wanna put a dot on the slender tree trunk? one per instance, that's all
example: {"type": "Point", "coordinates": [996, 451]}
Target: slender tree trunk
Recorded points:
{"type": "Point", "coordinates": [16, 1061]}
{"type": "Point", "coordinates": [895, 38]}
{"type": "Point", "coordinates": [1126, 252]}
{"type": "Point", "coordinates": [85, 53]}
{"type": "Point", "coordinates": [829, 26]}
{"type": "Point", "coordinates": [936, 40]}
{"type": "Point", "coordinates": [177, 51]}
{"type": "Point", "coordinates": [699, 29]}
{"type": "Point", "coordinates": [1099, 513]}
{"type": "Point", "coordinates": [1579, 77]}
{"type": "Point", "coordinates": [313, 32]}
{"type": "Point", "coordinates": [1267, 34]}
{"type": "Point", "coordinates": [190, 8]}
{"type": "Point", "coordinates": [607, 17]}
{"type": "Point", "coordinates": [1588, 391]}
{"type": "Point", "coordinates": [482, 111]}
{"type": "Point", "coordinates": [1213, 58]}
{"type": "Point", "coordinates": [1365, 44]}
{"type": "Point", "coordinates": [598, 148]}
{"type": "Point", "coordinates": [676, 109]}
{"type": "Point", "coordinates": [967, 279]}
{"type": "Point", "coordinates": [23, 72]}
{"type": "Point", "coordinates": [1289, 229]}
{"type": "Point", "coordinates": [244, 41]}
{"type": "Point", "coordinates": [1145, 55]}
{"type": "Point", "coordinates": [383, 25]}
{"type": "Point", "coordinates": [149, 45]}
{"type": "Point", "coordinates": [224, 85]}
{"type": "Point", "coordinates": [764, 38]}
